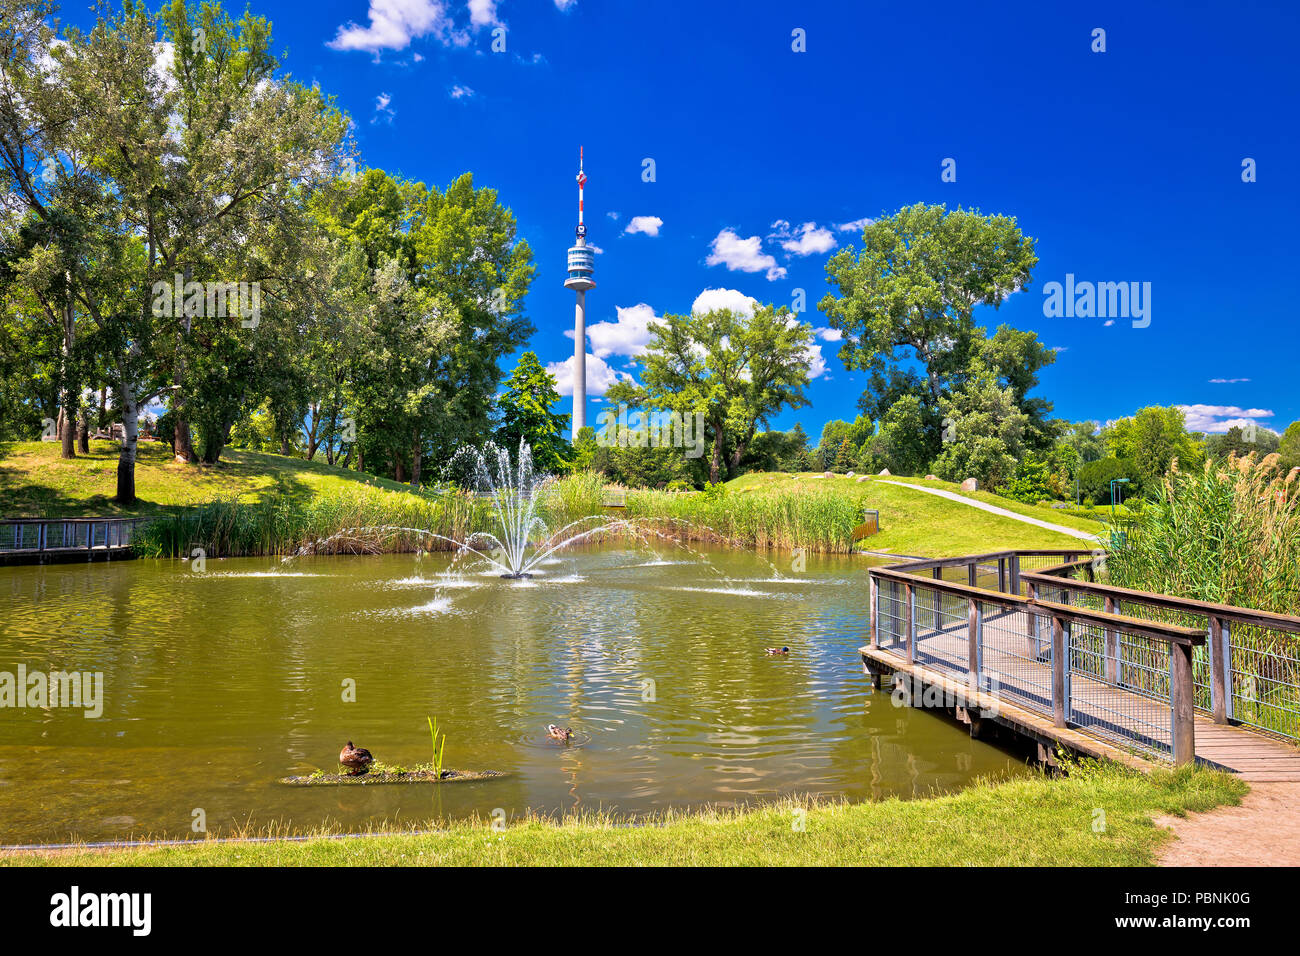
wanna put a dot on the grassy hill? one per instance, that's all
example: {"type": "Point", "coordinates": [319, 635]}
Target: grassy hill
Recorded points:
{"type": "Point", "coordinates": [913, 522]}
{"type": "Point", "coordinates": [36, 483]}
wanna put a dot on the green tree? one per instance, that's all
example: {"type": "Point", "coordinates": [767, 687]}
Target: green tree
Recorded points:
{"type": "Point", "coordinates": [1151, 440]}
{"type": "Point", "coordinates": [737, 370]}
{"type": "Point", "coordinates": [984, 430]}
{"type": "Point", "coordinates": [911, 293]}
{"type": "Point", "coordinates": [526, 416]}
{"type": "Point", "coordinates": [1289, 447]}
{"type": "Point", "coordinates": [1095, 478]}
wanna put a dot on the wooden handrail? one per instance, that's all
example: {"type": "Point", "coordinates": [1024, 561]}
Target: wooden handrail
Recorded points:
{"type": "Point", "coordinates": [1268, 619]}
{"type": "Point", "coordinates": [1171, 633]}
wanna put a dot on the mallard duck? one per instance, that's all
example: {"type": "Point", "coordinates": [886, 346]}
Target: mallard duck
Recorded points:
{"type": "Point", "coordinates": [562, 734]}
{"type": "Point", "coordinates": [356, 759]}
{"type": "Point", "coordinates": [777, 651]}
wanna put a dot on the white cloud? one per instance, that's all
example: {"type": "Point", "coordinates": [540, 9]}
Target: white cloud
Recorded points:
{"type": "Point", "coordinates": [612, 214]}
{"type": "Point", "coordinates": [599, 375]}
{"type": "Point", "coordinates": [395, 23]}
{"type": "Point", "coordinates": [459, 92]}
{"type": "Point", "coordinates": [628, 335]}
{"type": "Point", "coordinates": [711, 300]}
{"type": "Point", "coordinates": [483, 13]}
{"type": "Point", "coordinates": [1227, 381]}
{"type": "Point", "coordinates": [595, 248]}
{"type": "Point", "coordinates": [816, 361]}
{"type": "Point", "coordinates": [384, 111]}
{"type": "Point", "coordinates": [649, 225]}
{"type": "Point", "coordinates": [828, 334]}
{"type": "Point", "coordinates": [565, 5]}
{"type": "Point", "coordinates": [857, 225]}
{"type": "Point", "coordinates": [1217, 419]}
{"type": "Point", "coordinates": [805, 240]}
{"type": "Point", "coordinates": [743, 255]}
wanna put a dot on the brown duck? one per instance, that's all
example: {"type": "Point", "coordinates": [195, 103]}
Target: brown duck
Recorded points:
{"type": "Point", "coordinates": [356, 759]}
{"type": "Point", "coordinates": [562, 734]}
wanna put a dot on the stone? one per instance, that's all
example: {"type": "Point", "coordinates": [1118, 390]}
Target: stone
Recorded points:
{"type": "Point", "coordinates": [931, 477]}
{"type": "Point", "coordinates": [860, 478]}
{"type": "Point", "coordinates": [886, 472]}
{"type": "Point", "coordinates": [970, 484]}
{"type": "Point", "coordinates": [827, 474]}
{"type": "Point", "coordinates": [850, 474]}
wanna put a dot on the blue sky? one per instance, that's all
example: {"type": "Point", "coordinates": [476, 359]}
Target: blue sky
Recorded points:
{"type": "Point", "coordinates": [1125, 165]}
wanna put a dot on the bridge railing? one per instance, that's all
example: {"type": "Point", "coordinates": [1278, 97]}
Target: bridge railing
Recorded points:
{"type": "Point", "coordinates": [1052, 658]}
{"type": "Point", "coordinates": [1246, 672]}
{"type": "Point", "coordinates": [38, 535]}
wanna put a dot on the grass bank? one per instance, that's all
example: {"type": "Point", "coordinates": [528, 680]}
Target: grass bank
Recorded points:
{"type": "Point", "coordinates": [1028, 822]}
{"type": "Point", "coordinates": [256, 503]}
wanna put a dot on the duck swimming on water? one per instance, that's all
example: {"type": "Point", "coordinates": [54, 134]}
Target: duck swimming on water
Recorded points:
{"type": "Point", "coordinates": [356, 759]}
{"type": "Point", "coordinates": [562, 734]}
{"type": "Point", "coordinates": [777, 651]}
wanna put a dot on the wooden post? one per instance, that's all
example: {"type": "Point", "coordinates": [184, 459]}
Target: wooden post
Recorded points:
{"type": "Point", "coordinates": [909, 621]}
{"type": "Point", "coordinates": [1219, 650]}
{"type": "Point", "coordinates": [1182, 703]}
{"type": "Point", "coordinates": [971, 573]}
{"type": "Point", "coordinates": [1015, 573]}
{"type": "Point", "coordinates": [973, 640]}
{"type": "Point", "coordinates": [1059, 665]}
{"type": "Point", "coordinates": [1033, 623]}
{"type": "Point", "coordinates": [937, 574]}
{"type": "Point", "coordinates": [875, 610]}
{"type": "Point", "coordinates": [1111, 668]}
{"type": "Point", "coordinates": [1002, 575]}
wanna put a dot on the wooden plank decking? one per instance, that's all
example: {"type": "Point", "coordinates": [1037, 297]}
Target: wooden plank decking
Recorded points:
{"type": "Point", "coordinates": [1103, 716]}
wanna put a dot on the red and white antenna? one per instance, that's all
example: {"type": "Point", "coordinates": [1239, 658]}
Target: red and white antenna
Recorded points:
{"type": "Point", "coordinates": [582, 181]}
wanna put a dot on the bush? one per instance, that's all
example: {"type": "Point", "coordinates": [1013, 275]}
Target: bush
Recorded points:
{"type": "Point", "coordinates": [1095, 478]}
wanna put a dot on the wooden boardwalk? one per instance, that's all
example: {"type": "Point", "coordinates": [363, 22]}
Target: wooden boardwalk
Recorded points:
{"type": "Point", "coordinates": [1122, 689]}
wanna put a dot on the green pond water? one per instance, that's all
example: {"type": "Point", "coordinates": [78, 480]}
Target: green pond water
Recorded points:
{"type": "Point", "coordinates": [219, 683]}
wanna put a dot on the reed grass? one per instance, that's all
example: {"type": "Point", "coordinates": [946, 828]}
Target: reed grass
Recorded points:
{"type": "Point", "coordinates": [365, 519]}
{"type": "Point", "coordinates": [1228, 533]}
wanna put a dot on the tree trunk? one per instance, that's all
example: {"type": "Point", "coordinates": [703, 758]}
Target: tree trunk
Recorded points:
{"type": "Point", "coordinates": [67, 426]}
{"type": "Point", "coordinates": [416, 458]}
{"type": "Point", "coordinates": [83, 432]}
{"type": "Point", "coordinates": [126, 459]}
{"type": "Point", "coordinates": [715, 465]}
{"type": "Point", "coordinates": [182, 438]}
{"type": "Point", "coordinates": [399, 469]}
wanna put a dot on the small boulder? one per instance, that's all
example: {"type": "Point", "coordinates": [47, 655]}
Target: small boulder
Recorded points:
{"type": "Point", "coordinates": [860, 478]}
{"type": "Point", "coordinates": [886, 472]}
{"type": "Point", "coordinates": [827, 474]}
{"type": "Point", "coordinates": [850, 474]}
{"type": "Point", "coordinates": [970, 484]}
{"type": "Point", "coordinates": [931, 477]}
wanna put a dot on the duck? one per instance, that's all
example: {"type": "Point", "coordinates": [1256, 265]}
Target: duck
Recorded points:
{"type": "Point", "coordinates": [777, 651]}
{"type": "Point", "coordinates": [562, 734]}
{"type": "Point", "coordinates": [356, 759]}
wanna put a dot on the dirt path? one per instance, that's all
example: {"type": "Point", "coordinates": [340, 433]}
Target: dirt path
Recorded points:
{"type": "Point", "coordinates": [994, 509]}
{"type": "Point", "coordinates": [1263, 831]}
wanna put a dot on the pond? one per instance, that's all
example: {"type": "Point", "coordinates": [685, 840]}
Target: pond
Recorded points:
{"type": "Point", "coordinates": [218, 683]}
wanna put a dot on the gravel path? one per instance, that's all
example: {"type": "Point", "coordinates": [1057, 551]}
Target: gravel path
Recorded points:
{"type": "Point", "coordinates": [994, 509]}
{"type": "Point", "coordinates": [1263, 831]}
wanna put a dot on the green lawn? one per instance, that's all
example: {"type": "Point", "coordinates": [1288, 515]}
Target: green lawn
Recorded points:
{"type": "Point", "coordinates": [1095, 817]}
{"type": "Point", "coordinates": [36, 483]}
{"type": "Point", "coordinates": [913, 522]}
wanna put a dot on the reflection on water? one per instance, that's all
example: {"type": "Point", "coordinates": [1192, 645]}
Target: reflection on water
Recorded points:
{"type": "Point", "coordinates": [217, 684]}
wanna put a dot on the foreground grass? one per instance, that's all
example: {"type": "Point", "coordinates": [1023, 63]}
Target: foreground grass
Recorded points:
{"type": "Point", "coordinates": [1034, 821]}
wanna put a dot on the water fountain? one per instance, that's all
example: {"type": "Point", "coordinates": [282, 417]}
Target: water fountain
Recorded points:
{"type": "Point", "coordinates": [515, 490]}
